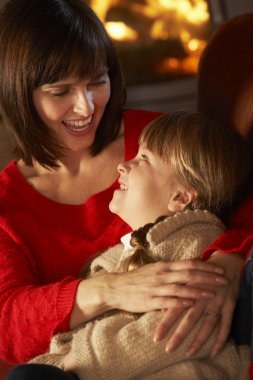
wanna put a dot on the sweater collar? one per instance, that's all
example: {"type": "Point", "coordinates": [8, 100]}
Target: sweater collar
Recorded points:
{"type": "Point", "coordinates": [125, 240]}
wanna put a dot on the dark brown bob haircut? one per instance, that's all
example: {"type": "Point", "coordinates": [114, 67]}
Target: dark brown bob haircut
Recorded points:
{"type": "Point", "coordinates": [44, 41]}
{"type": "Point", "coordinates": [210, 158]}
{"type": "Point", "coordinates": [225, 69]}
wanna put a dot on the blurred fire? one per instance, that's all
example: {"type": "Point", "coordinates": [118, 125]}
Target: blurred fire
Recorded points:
{"type": "Point", "coordinates": [120, 31]}
{"type": "Point", "coordinates": [159, 23]}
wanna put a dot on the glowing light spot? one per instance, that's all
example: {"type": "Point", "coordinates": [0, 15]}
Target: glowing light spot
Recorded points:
{"type": "Point", "coordinates": [120, 31]}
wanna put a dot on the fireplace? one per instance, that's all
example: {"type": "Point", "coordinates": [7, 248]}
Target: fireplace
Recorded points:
{"type": "Point", "coordinates": [159, 43]}
{"type": "Point", "coordinates": [157, 40]}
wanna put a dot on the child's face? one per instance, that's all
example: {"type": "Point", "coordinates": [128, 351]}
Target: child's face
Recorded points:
{"type": "Point", "coordinates": [148, 189]}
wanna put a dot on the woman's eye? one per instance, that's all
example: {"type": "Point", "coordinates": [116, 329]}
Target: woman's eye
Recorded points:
{"type": "Point", "coordinates": [60, 93]}
{"type": "Point", "coordinates": [100, 80]}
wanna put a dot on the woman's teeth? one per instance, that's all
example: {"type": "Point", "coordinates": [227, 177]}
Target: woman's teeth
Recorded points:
{"type": "Point", "coordinates": [123, 187]}
{"type": "Point", "coordinates": [76, 124]}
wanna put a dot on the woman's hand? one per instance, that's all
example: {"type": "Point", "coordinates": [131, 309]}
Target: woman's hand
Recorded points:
{"type": "Point", "coordinates": [162, 285]}
{"type": "Point", "coordinates": [218, 310]}
{"type": "Point", "coordinates": [154, 286]}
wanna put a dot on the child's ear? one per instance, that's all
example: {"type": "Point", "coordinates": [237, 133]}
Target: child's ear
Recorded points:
{"type": "Point", "coordinates": [181, 199]}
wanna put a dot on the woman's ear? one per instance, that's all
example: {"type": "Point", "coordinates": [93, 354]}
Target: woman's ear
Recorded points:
{"type": "Point", "coordinates": [181, 199]}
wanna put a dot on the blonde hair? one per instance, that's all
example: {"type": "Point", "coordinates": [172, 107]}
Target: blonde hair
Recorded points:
{"type": "Point", "coordinates": [205, 156]}
{"type": "Point", "coordinates": [140, 246]}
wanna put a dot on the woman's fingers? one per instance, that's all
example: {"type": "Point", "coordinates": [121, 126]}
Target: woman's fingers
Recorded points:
{"type": "Point", "coordinates": [188, 276]}
{"type": "Point", "coordinates": [185, 272]}
{"type": "Point", "coordinates": [162, 285]}
{"type": "Point", "coordinates": [194, 272]}
{"type": "Point", "coordinates": [169, 302]}
{"type": "Point", "coordinates": [198, 265]}
{"type": "Point", "coordinates": [210, 320]}
{"type": "Point", "coordinates": [225, 325]}
{"type": "Point", "coordinates": [179, 290]}
{"type": "Point", "coordinates": [219, 313]}
{"type": "Point", "coordinates": [185, 326]}
{"type": "Point", "coordinates": [170, 316]}
{"type": "Point", "coordinates": [215, 313]}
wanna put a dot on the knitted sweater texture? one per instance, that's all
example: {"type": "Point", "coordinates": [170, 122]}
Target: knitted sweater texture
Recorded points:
{"type": "Point", "coordinates": [120, 346]}
{"type": "Point", "coordinates": [43, 245]}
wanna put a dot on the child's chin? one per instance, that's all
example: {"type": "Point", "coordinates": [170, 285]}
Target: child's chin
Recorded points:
{"type": "Point", "coordinates": [112, 207]}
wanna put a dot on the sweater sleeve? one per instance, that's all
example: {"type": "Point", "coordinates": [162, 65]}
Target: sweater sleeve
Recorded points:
{"type": "Point", "coordinates": [134, 353]}
{"type": "Point", "coordinates": [29, 313]}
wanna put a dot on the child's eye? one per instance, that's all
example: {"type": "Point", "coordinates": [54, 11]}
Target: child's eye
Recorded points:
{"type": "Point", "coordinates": [144, 157]}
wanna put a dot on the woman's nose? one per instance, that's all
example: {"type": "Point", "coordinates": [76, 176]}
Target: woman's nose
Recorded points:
{"type": "Point", "coordinates": [84, 104]}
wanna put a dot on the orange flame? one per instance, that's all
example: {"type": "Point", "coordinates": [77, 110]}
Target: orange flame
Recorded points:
{"type": "Point", "coordinates": [164, 20]}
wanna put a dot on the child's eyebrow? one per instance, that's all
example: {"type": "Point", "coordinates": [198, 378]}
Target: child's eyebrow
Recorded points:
{"type": "Point", "coordinates": [143, 154]}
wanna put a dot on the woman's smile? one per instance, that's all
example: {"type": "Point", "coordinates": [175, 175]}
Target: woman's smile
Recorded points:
{"type": "Point", "coordinates": [78, 127]}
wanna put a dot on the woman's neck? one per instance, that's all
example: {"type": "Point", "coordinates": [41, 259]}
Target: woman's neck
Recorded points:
{"type": "Point", "coordinates": [78, 177]}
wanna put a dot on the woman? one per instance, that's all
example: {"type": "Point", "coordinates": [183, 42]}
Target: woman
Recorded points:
{"type": "Point", "coordinates": [225, 77]}
{"type": "Point", "coordinates": [226, 94]}
{"type": "Point", "coordinates": [62, 97]}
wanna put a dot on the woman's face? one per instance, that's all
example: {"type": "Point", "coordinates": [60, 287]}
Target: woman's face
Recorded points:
{"type": "Point", "coordinates": [73, 108]}
{"type": "Point", "coordinates": [148, 188]}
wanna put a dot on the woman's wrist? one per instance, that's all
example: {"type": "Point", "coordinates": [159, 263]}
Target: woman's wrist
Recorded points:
{"type": "Point", "coordinates": [93, 298]}
{"type": "Point", "coordinates": [232, 263]}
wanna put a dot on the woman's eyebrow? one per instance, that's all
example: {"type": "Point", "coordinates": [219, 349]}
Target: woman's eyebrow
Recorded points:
{"type": "Point", "coordinates": [103, 72]}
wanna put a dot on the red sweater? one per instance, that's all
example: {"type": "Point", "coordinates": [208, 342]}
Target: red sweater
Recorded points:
{"type": "Point", "coordinates": [43, 245]}
{"type": "Point", "coordinates": [239, 236]}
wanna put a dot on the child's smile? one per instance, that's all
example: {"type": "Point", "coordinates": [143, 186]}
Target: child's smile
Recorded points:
{"type": "Point", "coordinates": [146, 184]}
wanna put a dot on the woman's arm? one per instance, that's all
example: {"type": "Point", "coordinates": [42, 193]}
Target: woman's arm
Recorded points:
{"type": "Point", "coordinates": [29, 313]}
{"type": "Point", "coordinates": [217, 311]}
{"type": "Point", "coordinates": [152, 287]}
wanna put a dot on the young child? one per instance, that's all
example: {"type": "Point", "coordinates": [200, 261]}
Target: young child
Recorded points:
{"type": "Point", "coordinates": [188, 174]}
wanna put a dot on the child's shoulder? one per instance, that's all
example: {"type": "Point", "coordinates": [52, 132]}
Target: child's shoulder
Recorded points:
{"type": "Point", "coordinates": [107, 261]}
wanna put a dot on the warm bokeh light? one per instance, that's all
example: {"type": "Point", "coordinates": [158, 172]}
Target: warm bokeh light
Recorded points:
{"type": "Point", "coordinates": [161, 26]}
{"type": "Point", "coordinates": [193, 45]}
{"type": "Point", "coordinates": [188, 65]}
{"type": "Point", "coordinates": [120, 31]}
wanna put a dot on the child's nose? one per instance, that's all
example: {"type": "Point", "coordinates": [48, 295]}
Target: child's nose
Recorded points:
{"type": "Point", "coordinates": [123, 168]}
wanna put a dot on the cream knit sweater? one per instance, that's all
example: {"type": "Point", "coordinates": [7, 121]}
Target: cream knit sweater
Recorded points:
{"type": "Point", "coordinates": [120, 346]}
